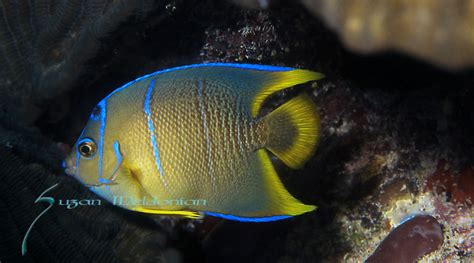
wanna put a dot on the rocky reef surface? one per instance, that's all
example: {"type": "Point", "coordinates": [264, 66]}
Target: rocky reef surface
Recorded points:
{"type": "Point", "coordinates": [436, 30]}
{"type": "Point", "coordinates": [395, 160]}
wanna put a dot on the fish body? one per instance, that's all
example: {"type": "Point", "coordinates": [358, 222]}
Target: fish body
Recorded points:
{"type": "Point", "coordinates": [193, 134]}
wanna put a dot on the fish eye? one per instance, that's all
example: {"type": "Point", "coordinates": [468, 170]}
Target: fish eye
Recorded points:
{"type": "Point", "coordinates": [87, 148]}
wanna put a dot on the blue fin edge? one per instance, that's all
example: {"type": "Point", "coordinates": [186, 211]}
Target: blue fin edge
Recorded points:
{"type": "Point", "coordinates": [216, 64]}
{"type": "Point", "coordinates": [247, 219]}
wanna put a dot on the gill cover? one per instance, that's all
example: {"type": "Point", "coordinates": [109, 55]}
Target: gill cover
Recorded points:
{"type": "Point", "coordinates": [89, 166]}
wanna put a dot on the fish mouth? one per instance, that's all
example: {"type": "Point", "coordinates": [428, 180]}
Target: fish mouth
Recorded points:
{"type": "Point", "coordinates": [69, 166]}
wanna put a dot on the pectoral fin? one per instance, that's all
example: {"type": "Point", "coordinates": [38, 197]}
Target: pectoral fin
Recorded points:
{"type": "Point", "coordinates": [132, 186]}
{"type": "Point", "coordinates": [129, 184]}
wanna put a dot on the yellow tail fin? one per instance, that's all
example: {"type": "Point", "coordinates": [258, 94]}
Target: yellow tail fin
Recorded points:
{"type": "Point", "coordinates": [294, 131]}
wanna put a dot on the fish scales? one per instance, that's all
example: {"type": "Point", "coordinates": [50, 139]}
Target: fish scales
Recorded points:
{"type": "Point", "coordinates": [203, 163]}
{"type": "Point", "coordinates": [184, 122]}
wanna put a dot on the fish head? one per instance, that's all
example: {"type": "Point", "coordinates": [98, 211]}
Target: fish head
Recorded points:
{"type": "Point", "coordinates": [91, 162]}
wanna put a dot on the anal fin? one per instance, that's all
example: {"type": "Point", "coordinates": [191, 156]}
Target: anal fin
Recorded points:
{"type": "Point", "coordinates": [261, 197]}
{"type": "Point", "coordinates": [280, 199]}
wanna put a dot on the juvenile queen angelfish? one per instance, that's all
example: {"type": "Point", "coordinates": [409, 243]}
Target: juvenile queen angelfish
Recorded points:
{"type": "Point", "coordinates": [187, 141]}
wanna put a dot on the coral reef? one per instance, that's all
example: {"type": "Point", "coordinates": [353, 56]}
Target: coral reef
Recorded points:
{"type": "Point", "coordinates": [44, 45]}
{"type": "Point", "coordinates": [438, 31]}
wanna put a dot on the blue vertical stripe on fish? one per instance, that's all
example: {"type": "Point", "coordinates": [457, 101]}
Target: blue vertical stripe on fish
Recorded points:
{"type": "Point", "coordinates": [151, 128]}
{"type": "Point", "coordinates": [103, 118]}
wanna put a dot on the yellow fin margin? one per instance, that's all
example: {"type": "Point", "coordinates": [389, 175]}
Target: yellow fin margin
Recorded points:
{"type": "Point", "coordinates": [280, 80]}
{"type": "Point", "coordinates": [282, 202]}
{"type": "Point", "coordinates": [186, 214]}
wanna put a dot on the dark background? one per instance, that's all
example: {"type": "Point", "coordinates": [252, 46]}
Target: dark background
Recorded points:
{"type": "Point", "coordinates": [372, 107]}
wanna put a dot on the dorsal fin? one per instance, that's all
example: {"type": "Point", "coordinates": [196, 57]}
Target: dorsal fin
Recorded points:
{"type": "Point", "coordinates": [280, 80]}
{"type": "Point", "coordinates": [255, 82]}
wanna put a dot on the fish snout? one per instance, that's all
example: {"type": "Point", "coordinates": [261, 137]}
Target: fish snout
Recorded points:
{"type": "Point", "coordinates": [69, 165]}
